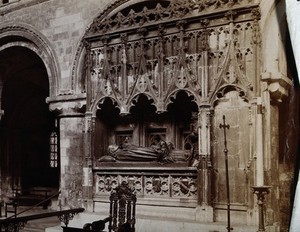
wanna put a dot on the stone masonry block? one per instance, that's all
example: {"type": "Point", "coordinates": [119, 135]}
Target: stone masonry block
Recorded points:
{"type": "Point", "coordinates": [65, 20]}
{"type": "Point", "coordinates": [61, 36]}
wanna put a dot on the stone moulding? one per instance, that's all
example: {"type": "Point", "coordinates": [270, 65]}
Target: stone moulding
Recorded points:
{"type": "Point", "coordinates": [68, 105]}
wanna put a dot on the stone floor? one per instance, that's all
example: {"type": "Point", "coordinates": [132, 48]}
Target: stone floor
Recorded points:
{"type": "Point", "coordinates": [143, 225]}
{"type": "Point", "coordinates": [161, 225]}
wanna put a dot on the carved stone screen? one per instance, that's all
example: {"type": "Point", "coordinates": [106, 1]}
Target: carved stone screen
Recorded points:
{"type": "Point", "coordinates": [157, 72]}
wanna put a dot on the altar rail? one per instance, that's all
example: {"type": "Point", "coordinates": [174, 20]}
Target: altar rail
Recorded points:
{"type": "Point", "coordinates": [152, 185]}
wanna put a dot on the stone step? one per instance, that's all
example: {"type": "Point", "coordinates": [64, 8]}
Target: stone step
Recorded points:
{"type": "Point", "coordinates": [41, 224]}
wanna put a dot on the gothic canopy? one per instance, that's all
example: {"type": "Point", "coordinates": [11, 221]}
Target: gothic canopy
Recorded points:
{"type": "Point", "coordinates": [160, 48]}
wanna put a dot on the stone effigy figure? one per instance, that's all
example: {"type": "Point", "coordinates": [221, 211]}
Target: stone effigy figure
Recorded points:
{"type": "Point", "coordinates": [129, 152]}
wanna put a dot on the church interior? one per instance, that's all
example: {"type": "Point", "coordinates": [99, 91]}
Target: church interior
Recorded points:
{"type": "Point", "coordinates": [192, 104]}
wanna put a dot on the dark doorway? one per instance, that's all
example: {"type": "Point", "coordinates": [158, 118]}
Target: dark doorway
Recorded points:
{"type": "Point", "coordinates": [27, 123]}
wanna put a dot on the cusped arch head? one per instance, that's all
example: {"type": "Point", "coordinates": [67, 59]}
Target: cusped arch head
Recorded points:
{"type": "Point", "coordinates": [98, 105]}
{"type": "Point", "coordinates": [135, 99]}
{"type": "Point", "coordinates": [223, 90]}
{"type": "Point", "coordinates": [24, 35]}
{"type": "Point", "coordinates": [124, 109]}
{"type": "Point", "coordinates": [191, 95]}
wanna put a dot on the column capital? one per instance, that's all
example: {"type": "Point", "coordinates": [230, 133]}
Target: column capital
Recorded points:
{"type": "Point", "coordinates": [68, 105]}
{"type": "Point", "coordinates": [278, 85]}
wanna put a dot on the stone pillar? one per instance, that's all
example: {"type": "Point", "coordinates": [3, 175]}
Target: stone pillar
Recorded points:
{"type": "Point", "coordinates": [274, 87]}
{"type": "Point", "coordinates": [71, 144]}
{"type": "Point", "coordinates": [88, 162]}
{"type": "Point", "coordinates": [205, 210]}
{"type": "Point", "coordinates": [71, 126]}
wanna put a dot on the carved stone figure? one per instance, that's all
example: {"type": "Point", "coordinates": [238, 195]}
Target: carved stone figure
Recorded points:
{"type": "Point", "coordinates": [129, 152]}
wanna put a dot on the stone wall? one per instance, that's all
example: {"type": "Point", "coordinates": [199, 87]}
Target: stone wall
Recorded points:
{"type": "Point", "coordinates": [63, 23]}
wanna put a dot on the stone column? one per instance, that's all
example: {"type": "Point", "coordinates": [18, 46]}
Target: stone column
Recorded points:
{"type": "Point", "coordinates": [274, 88]}
{"type": "Point", "coordinates": [69, 111]}
{"type": "Point", "coordinates": [205, 210]}
{"type": "Point", "coordinates": [88, 162]}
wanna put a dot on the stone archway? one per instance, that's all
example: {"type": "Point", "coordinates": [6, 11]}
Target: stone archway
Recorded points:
{"type": "Point", "coordinates": [27, 123]}
{"type": "Point", "coordinates": [28, 76]}
{"type": "Point", "coordinates": [25, 36]}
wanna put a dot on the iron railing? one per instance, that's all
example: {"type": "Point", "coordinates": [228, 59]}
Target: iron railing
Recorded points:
{"type": "Point", "coordinates": [18, 223]}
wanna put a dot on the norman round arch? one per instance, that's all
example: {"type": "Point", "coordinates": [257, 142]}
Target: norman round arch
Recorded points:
{"type": "Point", "coordinates": [28, 76]}
{"type": "Point", "coordinates": [26, 36]}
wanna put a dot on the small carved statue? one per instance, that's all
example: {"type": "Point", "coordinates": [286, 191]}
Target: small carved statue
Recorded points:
{"type": "Point", "coordinates": [129, 152]}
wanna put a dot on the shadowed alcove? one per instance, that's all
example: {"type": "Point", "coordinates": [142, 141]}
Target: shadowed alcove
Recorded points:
{"type": "Point", "coordinates": [26, 124]}
{"type": "Point", "coordinates": [144, 127]}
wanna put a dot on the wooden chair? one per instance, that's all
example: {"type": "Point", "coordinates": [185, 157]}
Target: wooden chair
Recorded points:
{"type": "Point", "coordinates": [11, 207]}
{"type": "Point", "coordinates": [121, 213]}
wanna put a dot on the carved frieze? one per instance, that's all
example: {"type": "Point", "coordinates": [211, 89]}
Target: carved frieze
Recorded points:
{"type": "Point", "coordinates": [149, 185]}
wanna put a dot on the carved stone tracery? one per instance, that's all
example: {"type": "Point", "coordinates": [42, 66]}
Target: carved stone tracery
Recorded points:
{"type": "Point", "coordinates": [159, 49]}
{"type": "Point", "coordinates": [169, 186]}
{"type": "Point", "coordinates": [199, 57]}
